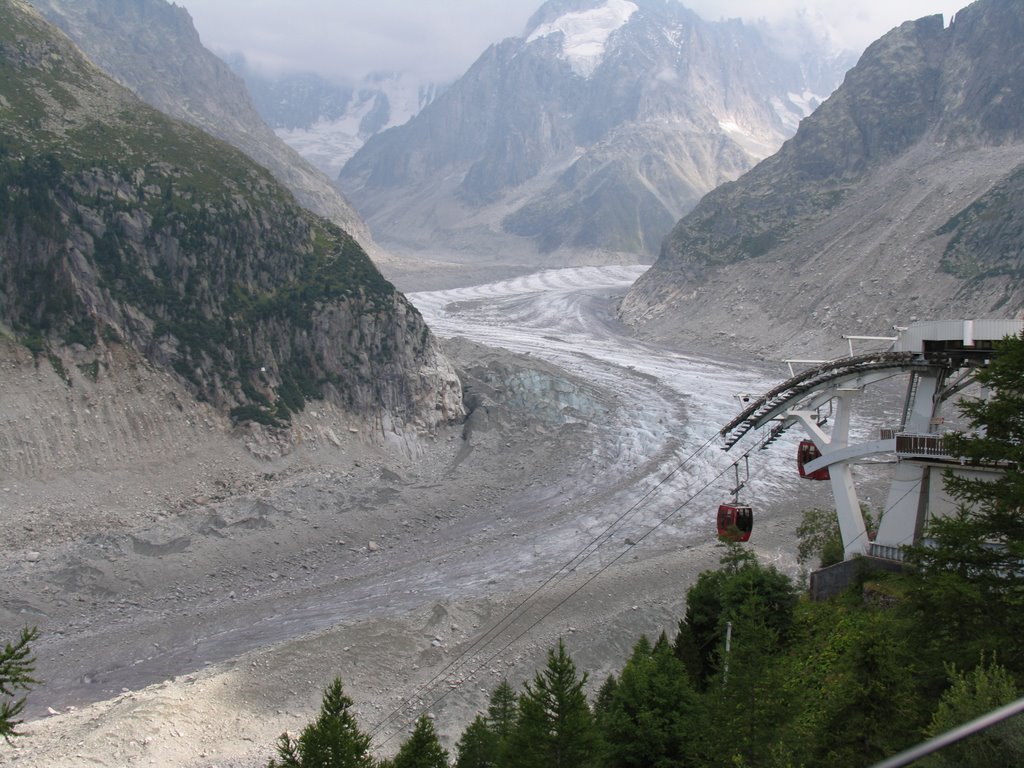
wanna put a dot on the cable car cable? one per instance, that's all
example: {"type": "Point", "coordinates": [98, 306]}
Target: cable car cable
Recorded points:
{"type": "Point", "coordinates": [496, 629]}
{"type": "Point", "coordinates": [572, 594]}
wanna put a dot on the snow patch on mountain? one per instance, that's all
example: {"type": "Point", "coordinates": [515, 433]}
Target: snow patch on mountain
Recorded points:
{"type": "Point", "coordinates": [796, 107]}
{"type": "Point", "coordinates": [757, 145]}
{"type": "Point", "coordinates": [383, 102]}
{"type": "Point", "coordinates": [585, 33]}
{"type": "Point", "coordinates": [806, 102]}
{"type": "Point", "coordinates": [327, 144]}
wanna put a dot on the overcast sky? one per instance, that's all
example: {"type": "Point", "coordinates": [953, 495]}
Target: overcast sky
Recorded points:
{"type": "Point", "coordinates": [345, 39]}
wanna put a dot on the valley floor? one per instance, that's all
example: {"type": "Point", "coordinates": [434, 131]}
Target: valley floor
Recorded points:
{"type": "Point", "coordinates": [194, 604]}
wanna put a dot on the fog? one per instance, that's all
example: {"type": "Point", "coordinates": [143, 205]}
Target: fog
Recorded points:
{"type": "Point", "coordinates": [347, 39]}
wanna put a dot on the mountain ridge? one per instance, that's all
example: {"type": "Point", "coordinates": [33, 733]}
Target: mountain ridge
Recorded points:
{"type": "Point", "coordinates": [515, 151]}
{"type": "Point", "coordinates": [870, 189]}
{"type": "Point", "coordinates": [153, 48]}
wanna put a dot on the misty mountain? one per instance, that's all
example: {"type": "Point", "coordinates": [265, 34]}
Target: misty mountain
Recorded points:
{"type": "Point", "coordinates": [152, 47]}
{"type": "Point", "coordinates": [899, 198]}
{"type": "Point", "coordinates": [327, 122]}
{"type": "Point", "coordinates": [592, 133]}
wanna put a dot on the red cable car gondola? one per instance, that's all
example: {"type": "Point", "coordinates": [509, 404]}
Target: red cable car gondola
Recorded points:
{"type": "Point", "coordinates": [805, 454]}
{"type": "Point", "coordinates": [735, 521]}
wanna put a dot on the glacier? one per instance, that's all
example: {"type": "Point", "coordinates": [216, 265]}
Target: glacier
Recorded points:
{"type": "Point", "coordinates": [585, 33]}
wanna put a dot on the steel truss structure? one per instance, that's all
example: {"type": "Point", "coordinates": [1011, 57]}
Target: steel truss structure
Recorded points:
{"type": "Point", "coordinates": [940, 359]}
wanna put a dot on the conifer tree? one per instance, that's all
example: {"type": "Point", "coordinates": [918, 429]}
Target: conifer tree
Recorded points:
{"type": "Point", "coordinates": [685, 649]}
{"type": "Point", "coordinates": [996, 505]}
{"type": "Point", "coordinates": [652, 710]}
{"type": "Point", "coordinates": [605, 698]}
{"type": "Point", "coordinates": [478, 746]}
{"type": "Point", "coordinates": [502, 710]}
{"type": "Point", "coordinates": [422, 749]}
{"type": "Point", "coordinates": [16, 667]}
{"type": "Point", "coordinates": [555, 727]}
{"type": "Point", "coordinates": [970, 586]}
{"type": "Point", "coordinates": [333, 740]}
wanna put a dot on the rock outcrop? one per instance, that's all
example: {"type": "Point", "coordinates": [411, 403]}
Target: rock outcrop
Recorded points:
{"type": "Point", "coordinates": [122, 228]}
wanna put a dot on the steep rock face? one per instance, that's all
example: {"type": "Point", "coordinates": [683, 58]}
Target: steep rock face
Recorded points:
{"type": "Point", "coordinates": [888, 204]}
{"type": "Point", "coordinates": [121, 227]}
{"type": "Point", "coordinates": [986, 239]}
{"type": "Point", "coordinates": [152, 47]}
{"type": "Point", "coordinates": [594, 131]}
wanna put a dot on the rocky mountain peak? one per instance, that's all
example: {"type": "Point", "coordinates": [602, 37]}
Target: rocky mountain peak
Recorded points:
{"type": "Point", "coordinates": [584, 33]}
{"type": "Point", "coordinates": [589, 135]}
{"type": "Point", "coordinates": [984, 71]}
{"type": "Point", "coordinates": [886, 203]}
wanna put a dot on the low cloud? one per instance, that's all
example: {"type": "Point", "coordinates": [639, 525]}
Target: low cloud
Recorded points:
{"type": "Point", "coordinates": [347, 39]}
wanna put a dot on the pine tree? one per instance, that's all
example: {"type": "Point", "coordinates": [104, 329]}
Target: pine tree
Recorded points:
{"type": "Point", "coordinates": [685, 649]}
{"type": "Point", "coordinates": [422, 749]}
{"type": "Point", "coordinates": [502, 710]}
{"type": "Point", "coordinates": [605, 699]}
{"type": "Point", "coordinates": [16, 667]}
{"type": "Point", "coordinates": [970, 589]}
{"type": "Point", "coordinates": [652, 710]}
{"type": "Point", "coordinates": [988, 536]}
{"type": "Point", "coordinates": [478, 746]}
{"type": "Point", "coordinates": [333, 740]}
{"type": "Point", "coordinates": [555, 728]}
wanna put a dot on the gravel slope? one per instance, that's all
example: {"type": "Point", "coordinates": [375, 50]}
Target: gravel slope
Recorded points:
{"type": "Point", "coordinates": [194, 605]}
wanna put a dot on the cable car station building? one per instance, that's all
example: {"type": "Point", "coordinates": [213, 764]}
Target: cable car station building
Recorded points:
{"type": "Point", "coordinates": [940, 359]}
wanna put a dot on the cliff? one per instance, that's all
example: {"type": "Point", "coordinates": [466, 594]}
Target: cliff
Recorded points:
{"type": "Point", "coordinates": [124, 230]}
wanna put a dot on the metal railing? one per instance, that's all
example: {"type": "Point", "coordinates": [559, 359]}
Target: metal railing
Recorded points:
{"type": "Point", "coordinates": [948, 738]}
{"type": "Point", "coordinates": [922, 445]}
{"type": "Point", "coordinates": [886, 552]}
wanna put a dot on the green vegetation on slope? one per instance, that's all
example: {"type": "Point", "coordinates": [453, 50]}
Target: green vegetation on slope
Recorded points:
{"type": "Point", "coordinates": [17, 665]}
{"type": "Point", "coordinates": [986, 237]}
{"type": "Point", "coordinates": [117, 222]}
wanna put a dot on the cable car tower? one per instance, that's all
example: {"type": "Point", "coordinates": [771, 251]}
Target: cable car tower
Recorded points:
{"type": "Point", "coordinates": [940, 359]}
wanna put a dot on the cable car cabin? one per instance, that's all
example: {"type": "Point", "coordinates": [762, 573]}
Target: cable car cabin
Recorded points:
{"type": "Point", "coordinates": [805, 454]}
{"type": "Point", "coordinates": [735, 521]}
